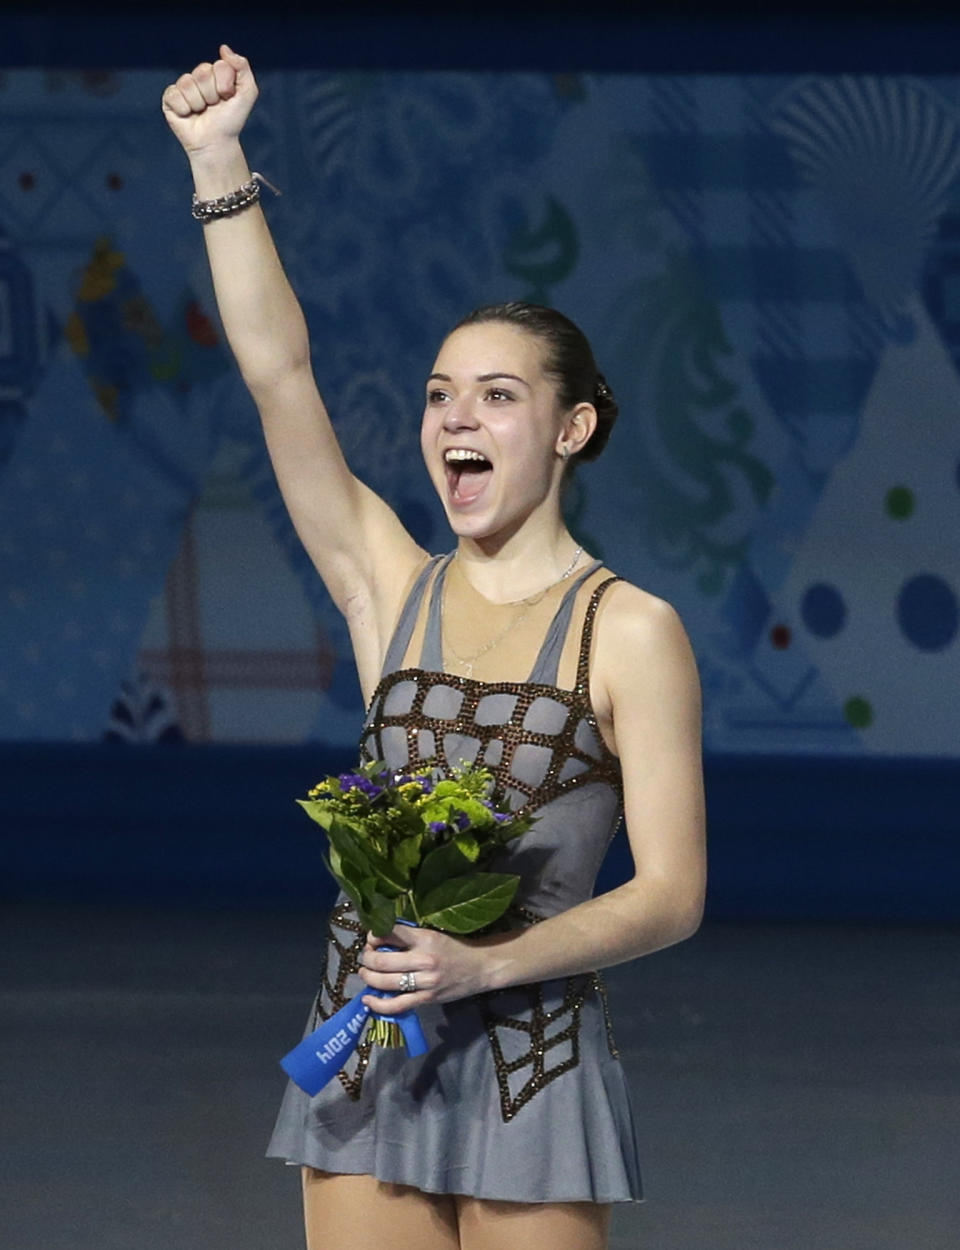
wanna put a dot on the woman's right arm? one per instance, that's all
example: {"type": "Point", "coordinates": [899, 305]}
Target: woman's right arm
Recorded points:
{"type": "Point", "coordinates": [364, 555]}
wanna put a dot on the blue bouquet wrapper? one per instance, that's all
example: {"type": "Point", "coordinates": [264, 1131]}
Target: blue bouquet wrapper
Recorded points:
{"type": "Point", "coordinates": [321, 1055]}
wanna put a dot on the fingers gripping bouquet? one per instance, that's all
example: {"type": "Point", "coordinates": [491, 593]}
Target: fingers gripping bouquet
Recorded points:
{"type": "Point", "coordinates": [410, 848]}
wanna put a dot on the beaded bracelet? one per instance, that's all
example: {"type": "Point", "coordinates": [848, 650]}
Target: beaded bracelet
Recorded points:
{"type": "Point", "coordinates": [245, 195]}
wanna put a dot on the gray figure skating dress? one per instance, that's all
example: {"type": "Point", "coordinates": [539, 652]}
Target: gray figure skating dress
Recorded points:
{"type": "Point", "coordinates": [522, 1096]}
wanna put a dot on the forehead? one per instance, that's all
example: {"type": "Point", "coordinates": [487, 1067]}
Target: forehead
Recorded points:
{"type": "Point", "coordinates": [490, 347]}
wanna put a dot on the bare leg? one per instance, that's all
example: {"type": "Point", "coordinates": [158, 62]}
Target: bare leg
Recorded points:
{"type": "Point", "coordinates": [363, 1213]}
{"type": "Point", "coordinates": [486, 1225]}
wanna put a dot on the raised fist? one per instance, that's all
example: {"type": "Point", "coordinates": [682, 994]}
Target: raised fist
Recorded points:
{"type": "Point", "coordinates": [212, 103]}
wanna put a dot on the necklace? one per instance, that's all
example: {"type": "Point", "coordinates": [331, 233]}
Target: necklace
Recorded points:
{"type": "Point", "coordinates": [523, 606]}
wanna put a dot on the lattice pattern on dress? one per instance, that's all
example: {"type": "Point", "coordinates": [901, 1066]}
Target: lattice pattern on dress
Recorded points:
{"type": "Point", "coordinates": [547, 1030]}
{"type": "Point", "coordinates": [347, 937]}
{"type": "Point", "coordinates": [540, 1032]}
{"type": "Point", "coordinates": [489, 725]}
{"type": "Point", "coordinates": [441, 718]}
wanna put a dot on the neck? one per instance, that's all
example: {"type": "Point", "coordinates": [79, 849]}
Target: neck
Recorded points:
{"type": "Point", "coordinates": [520, 567]}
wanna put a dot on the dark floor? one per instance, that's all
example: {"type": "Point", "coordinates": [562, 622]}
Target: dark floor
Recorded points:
{"type": "Point", "coordinates": [797, 1087]}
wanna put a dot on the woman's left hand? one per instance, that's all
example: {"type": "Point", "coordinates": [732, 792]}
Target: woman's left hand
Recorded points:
{"type": "Point", "coordinates": [444, 968]}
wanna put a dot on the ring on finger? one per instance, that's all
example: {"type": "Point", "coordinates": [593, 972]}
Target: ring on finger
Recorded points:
{"type": "Point", "coordinates": [408, 982]}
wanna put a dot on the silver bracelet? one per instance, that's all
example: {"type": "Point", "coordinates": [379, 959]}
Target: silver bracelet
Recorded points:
{"type": "Point", "coordinates": [232, 202]}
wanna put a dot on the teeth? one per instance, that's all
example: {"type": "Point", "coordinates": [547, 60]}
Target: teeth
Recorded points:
{"type": "Point", "coordinates": [461, 453]}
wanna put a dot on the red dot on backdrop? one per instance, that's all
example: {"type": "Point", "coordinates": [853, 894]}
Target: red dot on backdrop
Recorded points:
{"type": "Point", "coordinates": [780, 637]}
{"type": "Point", "coordinates": [114, 182]}
{"type": "Point", "coordinates": [27, 181]}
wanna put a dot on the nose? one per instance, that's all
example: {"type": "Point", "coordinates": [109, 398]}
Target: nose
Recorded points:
{"type": "Point", "coordinates": [459, 415]}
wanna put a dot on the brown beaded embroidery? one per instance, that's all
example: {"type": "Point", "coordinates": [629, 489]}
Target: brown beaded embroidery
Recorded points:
{"type": "Point", "coordinates": [537, 1055]}
{"type": "Point", "coordinates": [343, 920]}
{"type": "Point", "coordinates": [538, 1027]}
{"type": "Point", "coordinates": [595, 765]}
{"type": "Point", "coordinates": [601, 989]}
{"type": "Point", "coordinates": [414, 721]}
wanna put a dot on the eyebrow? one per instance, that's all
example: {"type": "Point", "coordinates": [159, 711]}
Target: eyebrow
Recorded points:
{"type": "Point", "coordinates": [483, 377]}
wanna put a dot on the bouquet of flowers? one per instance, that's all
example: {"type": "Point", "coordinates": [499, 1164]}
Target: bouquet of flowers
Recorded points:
{"type": "Point", "coordinates": [409, 848]}
{"type": "Point", "coordinates": [413, 845]}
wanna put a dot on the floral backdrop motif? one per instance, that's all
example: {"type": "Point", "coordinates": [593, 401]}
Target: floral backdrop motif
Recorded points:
{"type": "Point", "coordinates": [768, 266]}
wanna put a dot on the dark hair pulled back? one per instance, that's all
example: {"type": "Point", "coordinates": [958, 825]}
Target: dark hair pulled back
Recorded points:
{"type": "Point", "coordinates": [568, 360]}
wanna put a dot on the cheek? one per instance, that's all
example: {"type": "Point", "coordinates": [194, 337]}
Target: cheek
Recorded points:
{"type": "Point", "coordinates": [532, 448]}
{"type": "Point", "coordinates": [428, 452]}
{"type": "Point", "coordinates": [427, 434]}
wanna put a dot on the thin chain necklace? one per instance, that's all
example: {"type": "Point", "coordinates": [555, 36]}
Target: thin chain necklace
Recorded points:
{"type": "Point", "coordinates": [467, 662]}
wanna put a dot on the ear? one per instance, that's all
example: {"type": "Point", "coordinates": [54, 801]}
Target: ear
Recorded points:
{"type": "Point", "coordinates": [578, 424]}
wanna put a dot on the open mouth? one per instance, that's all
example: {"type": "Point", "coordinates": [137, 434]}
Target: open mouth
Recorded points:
{"type": "Point", "coordinates": [467, 474]}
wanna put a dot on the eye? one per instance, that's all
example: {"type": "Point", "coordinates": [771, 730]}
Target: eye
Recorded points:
{"type": "Point", "coordinates": [436, 396]}
{"type": "Point", "coordinates": [498, 394]}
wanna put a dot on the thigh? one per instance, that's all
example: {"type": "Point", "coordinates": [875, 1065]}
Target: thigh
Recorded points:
{"type": "Point", "coordinates": [363, 1213]}
{"type": "Point", "coordinates": [486, 1225]}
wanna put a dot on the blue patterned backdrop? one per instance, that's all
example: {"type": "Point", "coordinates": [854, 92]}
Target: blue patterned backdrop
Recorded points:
{"type": "Point", "coordinates": [769, 268]}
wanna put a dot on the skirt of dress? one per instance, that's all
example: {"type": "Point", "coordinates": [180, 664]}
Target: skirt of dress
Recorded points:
{"type": "Point", "coordinates": [521, 1098]}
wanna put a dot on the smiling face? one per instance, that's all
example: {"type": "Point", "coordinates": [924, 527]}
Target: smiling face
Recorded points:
{"type": "Point", "coordinates": [491, 429]}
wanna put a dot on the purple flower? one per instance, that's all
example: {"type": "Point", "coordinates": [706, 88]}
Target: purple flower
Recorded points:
{"type": "Point", "coordinates": [462, 821]}
{"type": "Point", "coordinates": [500, 817]}
{"type": "Point", "coordinates": [437, 826]}
{"type": "Point", "coordinates": [357, 781]}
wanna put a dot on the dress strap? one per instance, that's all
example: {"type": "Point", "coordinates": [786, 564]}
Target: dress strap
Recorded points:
{"type": "Point", "coordinates": [408, 617]}
{"type": "Point", "coordinates": [586, 638]}
{"type": "Point", "coordinates": [431, 653]}
{"type": "Point", "coordinates": [547, 664]}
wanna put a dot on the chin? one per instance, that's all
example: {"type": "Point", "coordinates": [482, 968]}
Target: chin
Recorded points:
{"type": "Point", "coordinates": [470, 526]}
{"type": "Point", "coordinates": [484, 528]}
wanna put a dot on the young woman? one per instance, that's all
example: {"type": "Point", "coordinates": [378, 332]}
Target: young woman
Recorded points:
{"type": "Point", "coordinates": [578, 690]}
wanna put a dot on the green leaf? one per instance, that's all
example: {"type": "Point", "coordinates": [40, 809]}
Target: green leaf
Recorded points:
{"type": "Point", "coordinates": [478, 815]}
{"type": "Point", "coordinates": [342, 879]}
{"type": "Point", "coordinates": [354, 876]}
{"type": "Point", "coordinates": [375, 910]}
{"type": "Point", "coordinates": [513, 828]}
{"type": "Point", "coordinates": [391, 879]}
{"type": "Point", "coordinates": [435, 809]}
{"type": "Point", "coordinates": [468, 846]}
{"type": "Point", "coordinates": [317, 811]}
{"type": "Point", "coordinates": [333, 862]}
{"type": "Point", "coordinates": [346, 867]}
{"type": "Point", "coordinates": [446, 790]}
{"type": "Point", "coordinates": [392, 876]}
{"type": "Point", "coordinates": [380, 916]}
{"type": "Point", "coordinates": [348, 845]}
{"type": "Point", "coordinates": [438, 866]}
{"type": "Point", "coordinates": [407, 853]}
{"type": "Point", "coordinates": [466, 904]}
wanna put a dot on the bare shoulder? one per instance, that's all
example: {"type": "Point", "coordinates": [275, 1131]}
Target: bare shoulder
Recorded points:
{"type": "Point", "coordinates": [642, 653]}
{"type": "Point", "coordinates": [633, 618]}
